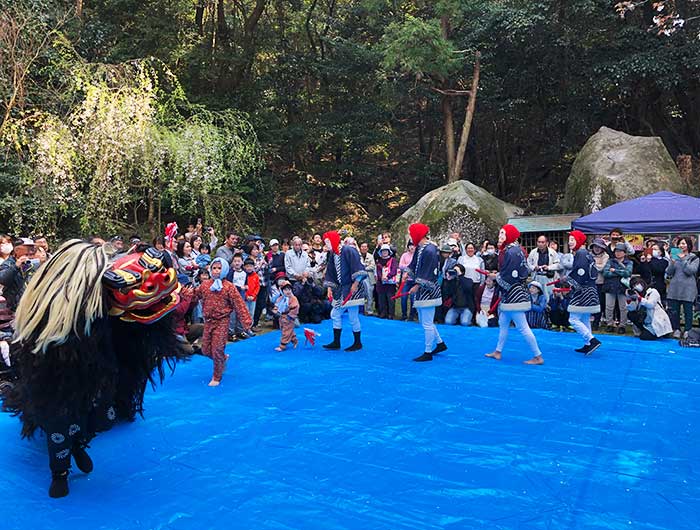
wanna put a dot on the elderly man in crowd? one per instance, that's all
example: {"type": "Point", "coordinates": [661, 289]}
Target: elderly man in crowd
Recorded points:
{"type": "Point", "coordinates": [296, 261]}
{"type": "Point", "coordinates": [543, 263]}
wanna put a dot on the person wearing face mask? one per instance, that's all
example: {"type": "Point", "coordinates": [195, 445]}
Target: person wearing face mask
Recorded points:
{"type": "Point", "coordinates": [514, 297]}
{"type": "Point", "coordinates": [17, 270]}
{"type": "Point", "coordinates": [581, 275]}
{"type": "Point", "coordinates": [683, 287]}
{"type": "Point", "coordinates": [6, 247]}
{"type": "Point", "coordinates": [490, 257]}
{"type": "Point", "coordinates": [645, 311]}
{"type": "Point", "coordinates": [652, 269]}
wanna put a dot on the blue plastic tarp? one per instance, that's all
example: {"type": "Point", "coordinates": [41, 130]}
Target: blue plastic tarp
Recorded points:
{"type": "Point", "coordinates": [315, 440]}
{"type": "Point", "coordinates": [660, 213]}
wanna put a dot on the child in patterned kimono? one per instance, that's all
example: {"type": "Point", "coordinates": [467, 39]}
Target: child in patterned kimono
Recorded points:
{"type": "Point", "coordinates": [287, 309]}
{"type": "Point", "coordinates": [423, 273]}
{"type": "Point", "coordinates": [581, 274]}
{"type": "Point", "coordinates": [344, 280]}
{"type": "Point", "coordinates": [219, 298]}
{"type": "Point", "coordinates": [515, 300]}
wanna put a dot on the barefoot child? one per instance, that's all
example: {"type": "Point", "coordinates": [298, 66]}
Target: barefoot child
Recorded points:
{"type": "Point", "coordinates": [219, 298]}
{"type": "Point", "coordinates": [287, 308]}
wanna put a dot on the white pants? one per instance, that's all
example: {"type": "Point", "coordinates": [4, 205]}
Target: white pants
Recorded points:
{"type": "Point", "coordinates": [581, 322]}
{"type": "Point", "coordinates": [353, 316]}
{"type": "Point", "coordinates": [426, 317]}
{"type": "Point", "coordinates": [518, 317]}
{"type": "Point", "coordinates": [464, 315]}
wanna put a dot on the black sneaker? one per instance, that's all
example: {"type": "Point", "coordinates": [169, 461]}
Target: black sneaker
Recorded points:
{"type": "Point", "coordinates": [439, 348]}
{"type": "Point", "coordinates": [593, 346]}
{"type": "Point", "coordinates": [427, 356]}
{"type": "Point", "coordinates": [582, 349]}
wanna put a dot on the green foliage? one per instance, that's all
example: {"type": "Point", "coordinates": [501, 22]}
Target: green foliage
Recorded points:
{"type": "Point", "coordinates": [417, 46]}
{"type": "Point", "coordinates": [143, 107]}
{"type": "Point", "coordinates": [125, 146]}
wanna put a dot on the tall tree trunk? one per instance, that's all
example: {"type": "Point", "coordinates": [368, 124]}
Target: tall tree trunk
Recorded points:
{"type": "Point", "coordinates": [448, 122]}
{"type": "Point", "coordinates": [222, 28]}
{"type": "Point", "coordinates": [79, 8]}
{"type": "Point", "coordinates": [471, 105]}
{"type": "Point", "coordinates": [247, 42]}
{"type": "Point", "coordinates": [199, 17]}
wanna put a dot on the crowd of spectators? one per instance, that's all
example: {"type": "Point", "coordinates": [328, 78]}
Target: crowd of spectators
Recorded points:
{"type": "Point", "coordinates": [467, 272]}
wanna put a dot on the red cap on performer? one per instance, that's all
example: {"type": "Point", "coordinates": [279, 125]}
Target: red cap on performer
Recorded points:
{"type": "Point", "coordinates": [580, 238]}
{"type": "Point", "coordinates": [418, 231]}
{"type": "Point", "coordinates": [334, 238]}
{"type": "Point", "coordinates": [512, 234]}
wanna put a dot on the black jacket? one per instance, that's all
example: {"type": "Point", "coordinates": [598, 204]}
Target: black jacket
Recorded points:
{"type": "Point", "coordinates": [461, 291]}
{"type": "Point", "coordinates": [490, 262]}
{"type": "Point", "coordinates": [654, 274]}
{"type": "Point", "coordinates": [13, 282]}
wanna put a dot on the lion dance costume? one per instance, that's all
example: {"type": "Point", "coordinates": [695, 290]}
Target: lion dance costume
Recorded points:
{"type": "Point", "coordinates": [89, 336]}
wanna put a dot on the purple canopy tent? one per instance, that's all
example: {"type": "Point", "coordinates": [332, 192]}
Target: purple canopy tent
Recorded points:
{"type": "Point", "coordinates": [659, 213]}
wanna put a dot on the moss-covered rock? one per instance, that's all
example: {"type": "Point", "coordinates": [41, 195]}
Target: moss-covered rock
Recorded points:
{"type": "Point", "coordinates": [458, 207]}
{"type": "Point", "coordinates": [614, 166]}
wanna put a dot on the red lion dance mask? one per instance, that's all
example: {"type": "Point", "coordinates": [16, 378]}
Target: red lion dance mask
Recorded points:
{"type": "Point", "coordinates": [142, 287]}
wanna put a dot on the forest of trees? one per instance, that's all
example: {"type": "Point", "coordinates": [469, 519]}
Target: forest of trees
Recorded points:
{"type": "Point", "coordinates": [283, 114]}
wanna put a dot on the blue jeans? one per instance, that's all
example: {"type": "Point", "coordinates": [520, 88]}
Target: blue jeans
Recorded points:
{"type": "Point", "coordinates": [675, 307]}
{"type": "Point", "coordinates": [250, 304]}
{"type": "Point", "coordinates": [463, 314]}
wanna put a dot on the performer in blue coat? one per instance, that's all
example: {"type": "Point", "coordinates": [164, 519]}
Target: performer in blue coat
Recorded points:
{"type": "Point", "coordinates": [580, 273]}
{"type": "Point", "coordinates": [514, 297]}
{"type": "Point", "coordinates": [423, 273]}
{"type": "Point", "coordinates": [344, 280]}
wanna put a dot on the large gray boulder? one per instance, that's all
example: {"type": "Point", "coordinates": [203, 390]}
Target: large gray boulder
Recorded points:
{"type": "Point", "coordinates": [614, 167]}
{"type": "Point", "coordinates": [458, 207]}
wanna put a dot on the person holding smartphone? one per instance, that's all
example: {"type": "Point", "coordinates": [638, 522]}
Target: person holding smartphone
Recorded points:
{"type": "Point", "coordinates": [683, 287]}
{"type": "Point", "coordinates": [17, 269]}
